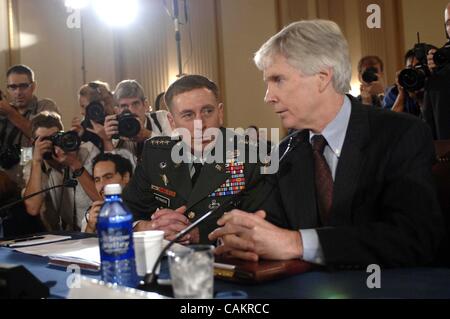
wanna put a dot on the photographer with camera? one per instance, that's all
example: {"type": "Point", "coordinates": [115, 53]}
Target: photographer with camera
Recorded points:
{"type": "Point", "coordinates": [57, 157]}
{"type": "Point", "coordinates": [407, 95]}
{"type": "Point", "coordinates": [134, 122]}
{"type": "Point", "coordinates": [371, 76]}
{"type": "Point", "coordinates": [16, 111]}
{"type": "Point", "coordinates": [96, 102]}
{"type": "Point", "coordinates": [436, 111]}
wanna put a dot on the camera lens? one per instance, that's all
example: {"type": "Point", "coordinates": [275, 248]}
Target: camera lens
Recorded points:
{"type": "Point", "coordinates": [70, 142]}
{"type": "Point", "coordinates": [370, 75]}
{"type": "Point", "coordinates": [442, 56]}
{"type": "Point", "coordinates": [412, 79]}
{"type": "Point", "coordinates": [95, 112]}
{"type": "Point", "coordinates": [129, 126]}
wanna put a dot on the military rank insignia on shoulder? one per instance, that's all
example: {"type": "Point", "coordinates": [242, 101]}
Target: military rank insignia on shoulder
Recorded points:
{"type": "Point", "coordinates": [163, 142]}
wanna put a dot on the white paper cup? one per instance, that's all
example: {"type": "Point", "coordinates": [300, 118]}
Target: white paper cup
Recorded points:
{"type": "Point", "coordinates": [147, 247]}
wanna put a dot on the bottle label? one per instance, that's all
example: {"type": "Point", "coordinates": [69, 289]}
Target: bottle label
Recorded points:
{"type": "Point", "coordinates": [115, 242]}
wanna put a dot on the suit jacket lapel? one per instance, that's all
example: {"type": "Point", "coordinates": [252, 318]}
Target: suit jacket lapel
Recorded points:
{"type": "Point", "coordinates": [296, 178]}
{"type": "Point", "coordinates": [350, 164]}
{"type": "Point", "coordinates": [211, 178]}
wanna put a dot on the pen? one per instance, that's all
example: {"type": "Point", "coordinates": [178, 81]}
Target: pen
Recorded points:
{"type": "Point", "coordinates": [27, 239]}
{"type": "Point", "coordinates": [12, 242]}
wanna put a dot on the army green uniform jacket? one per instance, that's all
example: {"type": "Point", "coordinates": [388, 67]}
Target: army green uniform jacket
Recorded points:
{"type": "Point", "coordinates": [159, 182]}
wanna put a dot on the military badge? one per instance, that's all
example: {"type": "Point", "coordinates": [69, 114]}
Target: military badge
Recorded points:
{"type": "Point", "coordinates": [233, 185]}
{"type": "Point", "coordinates": [165, 179]}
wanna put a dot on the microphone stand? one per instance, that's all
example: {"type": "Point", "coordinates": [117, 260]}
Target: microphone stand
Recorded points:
{"type": "Point", "coordinates": [150, 278]}
{"type": "Point", "coordinates": [68, 183]}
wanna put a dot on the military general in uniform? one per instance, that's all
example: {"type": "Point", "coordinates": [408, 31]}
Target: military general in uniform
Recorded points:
{"type": "Point", "coordinates": [182, 178]}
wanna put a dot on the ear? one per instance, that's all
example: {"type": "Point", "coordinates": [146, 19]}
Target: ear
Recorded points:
{"type": "Point", "coordinates": [171, 120]}
{"type": "Point", "coordinates": [33, 87]}
{"type": "Point", "coordinates": [126, 178]}
{"type": "Point", "coordinates": [325, 79]}
{"type": "Point", "coordinates": [221, 115]}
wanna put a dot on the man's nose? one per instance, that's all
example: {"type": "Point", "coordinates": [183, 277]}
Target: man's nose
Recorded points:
{"type": "Point", "coordinates": [269, 97]}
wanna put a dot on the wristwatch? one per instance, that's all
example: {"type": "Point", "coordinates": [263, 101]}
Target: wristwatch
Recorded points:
{"type": "Point", "coordinates": [78, 172]}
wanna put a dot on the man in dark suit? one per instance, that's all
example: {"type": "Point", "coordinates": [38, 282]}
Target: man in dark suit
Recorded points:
{"type": "Point", "coordinates": [181, 179]}
{"type": "Point", "coordinates": [354, 185]}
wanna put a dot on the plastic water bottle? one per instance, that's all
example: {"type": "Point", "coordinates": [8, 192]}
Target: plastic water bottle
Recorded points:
{"type": "Point", "coordinates": [115, 231]}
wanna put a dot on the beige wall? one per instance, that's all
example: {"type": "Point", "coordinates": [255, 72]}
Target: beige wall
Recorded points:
{"type": "Point", "coordinates": [54, 52]}
{"type": "Point", "coordinates": [4, 47]}
{"type": "Point", "coordinates": [245, 26]}
{"type": "Point", "coordinates": [426, 17]}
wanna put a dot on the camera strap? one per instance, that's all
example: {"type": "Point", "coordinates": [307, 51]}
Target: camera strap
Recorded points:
{"type": "Point", "coordinates": [154, 116]}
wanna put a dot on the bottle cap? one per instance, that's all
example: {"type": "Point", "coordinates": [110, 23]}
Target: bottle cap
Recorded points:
{"type": "Point", "coordinates": [113, 189]}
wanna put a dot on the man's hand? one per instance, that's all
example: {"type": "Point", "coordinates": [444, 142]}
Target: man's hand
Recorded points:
{"type": "Point", "coordinates": [40, 148]}
{"type": "Point", "coordinates": [111, 126]}
{"type": "Point", "coordinates": [99, 130]}
{"type": "Point", "coordinates": [251, 237]}
{"type": "Point", "coordinates": [69, 159]}
{"type": "Point", "coordinates": [93, 216]}
{"type": "Point", "coordinates": [430, 60]}
{"type": "Point", "coordinates": [76, 126]}
{"type": "Point", "coordinates": [171, 222]}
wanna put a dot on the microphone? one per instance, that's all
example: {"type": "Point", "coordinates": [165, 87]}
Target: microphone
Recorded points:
{"type": "Point", "coordinates": [149, 279]}
{"type": "Point", "coordinates": [70, 183]}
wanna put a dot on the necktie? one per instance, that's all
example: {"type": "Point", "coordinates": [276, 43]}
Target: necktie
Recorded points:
{"type": "Point", "coordinates": [198, 168]}
{"type": "Point", "coordinates": [323, 179]}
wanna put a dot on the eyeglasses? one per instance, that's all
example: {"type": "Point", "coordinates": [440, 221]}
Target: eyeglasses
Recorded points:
{"type": "Point", "coordinates": [21, 86]}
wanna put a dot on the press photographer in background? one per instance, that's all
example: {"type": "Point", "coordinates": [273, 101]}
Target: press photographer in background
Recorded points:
{"type": "Point", "coordinates": [16, 111]}
{"type": "Point", "coordinates": [407, 95]}
{"type": "Point", "coordinates": [135, 122]}
{"type": "Point", "coordinates": [436, 111]}
{"type": "Point", "coordinates": [96, 103]}
{"type": "Point", "coordinates": [371, 76]}
{"type": "Point", "coordinates": [57, 157]}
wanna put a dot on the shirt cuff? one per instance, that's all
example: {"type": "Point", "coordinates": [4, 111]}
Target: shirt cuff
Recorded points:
{"type": "Point", "coordinates": [312, 250]}
{"type": "Point", "coordinates": [135, 223]}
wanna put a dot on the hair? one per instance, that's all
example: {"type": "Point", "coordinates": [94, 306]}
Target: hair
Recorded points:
{"type": "Point", "coordinates": [21, 69]}
{"type": "Point", "coordinates": [189, 83]}
{"type": "Point", "coordinates": [46, 119]}
{"type": "Point", "coordinates": [371, 60]}
{"type": "Point", "coordinates": [310, 47]}
{"type": "Point", "coordinates": [97, 91]}
{"type": "Point", "coordinates": [160, 102]}
{"type": "Point", "coordinates": [122, 164]}
{"type": "Point", "coordinates": [129, 89]}
{"type": "Point", "coordinates": [409, 55]}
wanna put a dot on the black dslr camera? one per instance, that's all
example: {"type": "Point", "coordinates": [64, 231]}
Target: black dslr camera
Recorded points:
{"type": "Point", "coordinates": [413, 79]}
{"type": "Point", "coordinates": [68, 142]}
{"type": "Point", "coordinates": [129, 126]}
{"type": "Point", "coordinates": [370, 75]}
{"type": "Point", "coordinates": [442, 56]}
{"type": "Point", "coordinates": [94, 112]}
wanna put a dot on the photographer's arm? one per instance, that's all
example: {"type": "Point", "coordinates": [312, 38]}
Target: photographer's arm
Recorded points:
{"type": "Point", "coordinates": [15, 118]}
{"type": "Point", "coordinates": [399, 105]}
{"type": "Point", "coordinates": [33, 205]}
{"type": "Point", "coordinates": [85, 179]}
